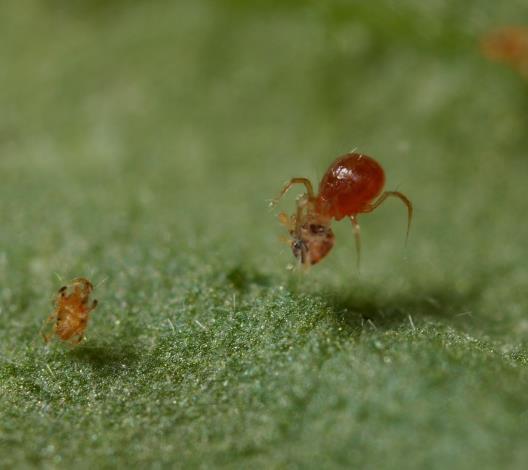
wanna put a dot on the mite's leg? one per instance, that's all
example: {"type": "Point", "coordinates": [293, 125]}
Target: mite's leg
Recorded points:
{"type": "Point", "coordinates": [46, 336]}
{"type": "Point", "coordinates": [288, 186]}
{"type": "Point", "coordinates": [285, 220]}
{"type": "Point", "coordinates": [84, 301]}
{"type": "Point", "coordinates": [357, 236]}
{"type": "Point", "coordinates": [78, 334]}
{"type": "Point", "coordinates": [402, 198]}
{"type": "Point", "coordinates": [79, 339]}
{"type": "Point", "coordinates": [45, 330]}
{"type": "Point", "coordinates": [76, 339]}
{"type": "Point", "coordinates": [285, 240]}
{"type": "Point", "coordinates": [302, 201]}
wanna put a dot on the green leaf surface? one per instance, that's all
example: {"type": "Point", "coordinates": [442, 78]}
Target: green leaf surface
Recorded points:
{"type": "Point", "coordinates": [140, 144]}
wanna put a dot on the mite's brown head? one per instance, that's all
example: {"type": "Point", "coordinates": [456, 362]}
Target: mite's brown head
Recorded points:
{"type": "Point", "coordinates": [83, 285]}
{"type": "Point", "coordinates": [312, 242]}
{"type": "Point", "coordinates": [78, 291]}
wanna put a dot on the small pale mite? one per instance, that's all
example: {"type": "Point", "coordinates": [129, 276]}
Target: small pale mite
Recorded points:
{"type": "Point", "coordinates": [73, 306]}
{"type": "Point", "coordinates": [508, 45]}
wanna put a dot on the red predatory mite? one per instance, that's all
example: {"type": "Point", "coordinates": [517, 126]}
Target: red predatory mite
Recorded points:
{"type": "Point", "coordinates": [352, 185]}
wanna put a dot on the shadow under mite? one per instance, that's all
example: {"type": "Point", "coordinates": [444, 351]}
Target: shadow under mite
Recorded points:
{"type": "Point", "coordinates": [106, 358]}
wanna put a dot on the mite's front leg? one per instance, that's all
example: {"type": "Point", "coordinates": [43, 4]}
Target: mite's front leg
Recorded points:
{"type": "Point", "coordinates": [307, 183]}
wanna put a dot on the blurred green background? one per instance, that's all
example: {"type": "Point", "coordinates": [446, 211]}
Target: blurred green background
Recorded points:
{"type": "Point", "coordinates": [140, 143]}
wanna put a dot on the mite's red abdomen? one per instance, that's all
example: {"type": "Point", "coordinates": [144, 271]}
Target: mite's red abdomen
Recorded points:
{"type": "Point", "coordinates": [349, 186]}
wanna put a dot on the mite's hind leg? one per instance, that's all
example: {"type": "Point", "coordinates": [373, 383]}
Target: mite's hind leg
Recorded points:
{"type": "Point", "coordinates": [46, 336]}
{"type": "Point", "coordinates": [78, 334]}
{"type": "Point", "coordinates": [77, 339]}
{"type": "Point", "coordinates": [357, 236]}
{"type": "Point", "coordinates": [288, 186]}
{"type": "Point", "coordinates": [402, 198]}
